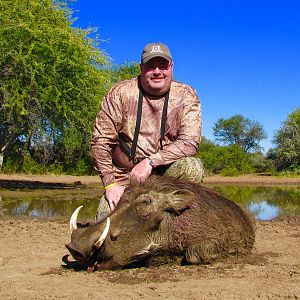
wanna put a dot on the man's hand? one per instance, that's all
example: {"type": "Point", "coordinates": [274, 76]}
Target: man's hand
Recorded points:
{"type": "Point", "coordinates": [141, 171]}
{"type": "Point", "coordinates": [113, 195]}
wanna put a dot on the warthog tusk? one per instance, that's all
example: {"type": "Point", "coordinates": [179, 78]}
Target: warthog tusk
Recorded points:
{"type": "Point", "coordinates": [104, 234]}
{"type": "Point", "coordinates": [73, 220]}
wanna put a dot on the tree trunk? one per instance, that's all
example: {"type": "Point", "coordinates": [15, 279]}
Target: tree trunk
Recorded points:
{"type": "Point", "coordinates": [2, 156]}
{"type": "Point", "coordinates": [2, 150]}
{"type": "Point", "coordinates": [1, 160]}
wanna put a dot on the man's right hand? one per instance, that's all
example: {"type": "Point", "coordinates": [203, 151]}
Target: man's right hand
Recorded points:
{"type": "Point", "coordinates": [113, 195]}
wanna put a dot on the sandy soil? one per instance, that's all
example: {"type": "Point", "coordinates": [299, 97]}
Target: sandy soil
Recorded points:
{"type": "Point", "coordinates": [32, 253]}
{"type": "Point", "coordinates": [67, 179]}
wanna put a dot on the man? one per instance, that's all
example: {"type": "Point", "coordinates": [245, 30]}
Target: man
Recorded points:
{"type": "Point", "coordinates": [146, 124]}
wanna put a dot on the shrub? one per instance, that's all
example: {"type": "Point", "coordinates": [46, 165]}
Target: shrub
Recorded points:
{"type": "Point", "coordinates": [231, 160]}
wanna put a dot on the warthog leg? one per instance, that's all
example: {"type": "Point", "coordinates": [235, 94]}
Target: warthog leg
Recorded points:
{"type": "Point", "coordinates": [203, 252]}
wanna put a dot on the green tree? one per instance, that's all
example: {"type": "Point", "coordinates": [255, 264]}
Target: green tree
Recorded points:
{"type": "Point", "coordinates": [240, 131]}
{"type": "Point", "coordinates": [287, 140]}
{"type": "Point", "coordinates": [261, 163]}
{"type": "Point", "coordinates": [52, 79]}
{"type": "Point", "coordinates": [126, 71]}
{"type": "Point", "coordinates": [226, 160]}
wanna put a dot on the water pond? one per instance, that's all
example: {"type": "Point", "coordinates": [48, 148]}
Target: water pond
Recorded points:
{"type": "Point", "coordinates": [60, 201]}
{"type": "Point", "coordinates": [264, 202]}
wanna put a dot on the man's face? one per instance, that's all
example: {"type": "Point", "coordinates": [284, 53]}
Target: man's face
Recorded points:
{"type": "Point", "coordinates": [156, 76]}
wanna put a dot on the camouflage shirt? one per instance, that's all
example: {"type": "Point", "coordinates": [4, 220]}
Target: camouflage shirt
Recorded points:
{"type": "Point", "coordinates": [118, 117]}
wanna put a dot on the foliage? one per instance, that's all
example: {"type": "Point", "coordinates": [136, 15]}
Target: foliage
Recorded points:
{"type": "Point", "coordinates": [52, 79]}
{"type": "Point", "coordinates": [30, 166]}
{"type": "Point", "coordinates": [287, 140]}
{"type": "Point", "coordinates": [126, 71]}
{"type": "Point", "coordinates": [261, 163]}
{"type": "Point", "coordinates": [239, 131]}
{"type": "Point", "coordinates": [228, 161]}
{"type": "Point", "coordinates": [10, 166]}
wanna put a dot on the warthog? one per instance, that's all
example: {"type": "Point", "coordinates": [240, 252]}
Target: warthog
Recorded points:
{"type": "Point", "coordinates": [163, 217]}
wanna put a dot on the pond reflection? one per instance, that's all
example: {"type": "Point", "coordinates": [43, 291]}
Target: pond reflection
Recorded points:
{"type": "Point", "coordinates": [49, 203]}
{"type": "Point", "coordinates": [264, 202]}
{"type": "Point", "coordinates": [264, 210]}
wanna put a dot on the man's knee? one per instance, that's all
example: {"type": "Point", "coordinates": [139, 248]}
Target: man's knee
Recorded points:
{"type": "Point", "coordinates": [189, 168]}
{"type": "Point", "coordinates": [103, 209]}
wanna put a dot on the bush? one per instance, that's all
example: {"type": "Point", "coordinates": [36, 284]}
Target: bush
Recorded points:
{"type": "Point", "coordinates": [230, 161]}
{"type": "Point", "coordinates": [81, 167]}
{"type": "Point", "coordinates": [230, 171]}
{"type": "Point", "coordinates": [10, 166]}
{"type": "Point", "coordinates": [261, 163]}
{"type": "Point", "coordinates": [30, 166]}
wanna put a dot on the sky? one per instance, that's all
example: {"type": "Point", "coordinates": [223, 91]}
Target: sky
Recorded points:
{"type": "Point", "coordinates": [242, 57]}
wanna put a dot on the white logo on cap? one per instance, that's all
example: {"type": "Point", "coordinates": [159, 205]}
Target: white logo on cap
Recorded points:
{"type": "Point", "coordinates": [156, 49]}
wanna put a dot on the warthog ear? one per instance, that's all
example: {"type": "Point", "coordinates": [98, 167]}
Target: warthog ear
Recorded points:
{"type": "Point", "coordinates": [182, 193]}
{"type": "Point", "coordinates": [154, 221]}
{"type": "Point", "coordinates": [177, 202]}
{"type": "Point", "coordinates": [174, 203]}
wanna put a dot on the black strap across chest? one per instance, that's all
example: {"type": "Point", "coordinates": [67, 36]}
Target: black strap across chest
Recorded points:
{"type": "Point", "coordinates": [131, 151]}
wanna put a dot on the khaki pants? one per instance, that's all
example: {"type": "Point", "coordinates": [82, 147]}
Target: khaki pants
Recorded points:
{"type": "Point", "coordinates": [189, 168]}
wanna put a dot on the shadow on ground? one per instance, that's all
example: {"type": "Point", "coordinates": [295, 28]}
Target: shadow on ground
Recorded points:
{"type": "Point", "coordinates": [27, 184]}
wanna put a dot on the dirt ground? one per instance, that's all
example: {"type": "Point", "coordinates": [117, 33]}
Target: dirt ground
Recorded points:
{"type": "Point", "coordinates": [68, 179]}
{"type": "Point", "coordinates": [32, 266]}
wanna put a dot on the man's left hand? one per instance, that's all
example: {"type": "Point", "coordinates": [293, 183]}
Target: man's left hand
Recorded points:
{"type": "Point", "coordinates": [141, 171]}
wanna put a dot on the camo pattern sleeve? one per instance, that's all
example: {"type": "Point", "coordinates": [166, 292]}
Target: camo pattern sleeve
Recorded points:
{"type": "Point", "coordinates": [105, 135]}
{"type": "Point", "coordinates": [118, 118]}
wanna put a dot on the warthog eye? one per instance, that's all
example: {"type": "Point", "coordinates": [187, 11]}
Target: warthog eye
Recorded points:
{"type": "Point", "coordinates": [114, 237]}
{"type": "Point", "coordinates": [114, 234]}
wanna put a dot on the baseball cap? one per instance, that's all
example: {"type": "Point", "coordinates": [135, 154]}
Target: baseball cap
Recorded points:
{"type": "Point", "coordinates": [154, 50]}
